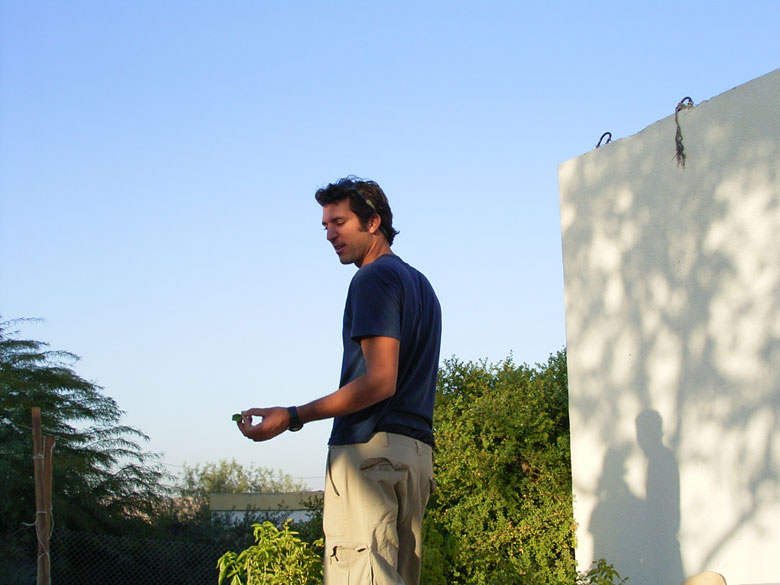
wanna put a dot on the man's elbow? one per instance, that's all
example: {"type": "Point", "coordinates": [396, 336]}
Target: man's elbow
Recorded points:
{"type": "Point", "coordinates": [384, 387]}
{"type": "Point", "coordinates": [388, 390]}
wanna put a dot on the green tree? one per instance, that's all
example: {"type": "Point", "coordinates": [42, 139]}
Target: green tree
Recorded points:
{"type": "Point", "coordinates": [503, 510]}
{"type": "Point", "coordinates": [230, 477]}
{"type": "Point", "coordinates": [103, 479]}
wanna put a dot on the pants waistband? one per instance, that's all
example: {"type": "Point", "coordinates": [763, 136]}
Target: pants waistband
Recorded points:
{"type": "Point", "coordinates": [385, 439]}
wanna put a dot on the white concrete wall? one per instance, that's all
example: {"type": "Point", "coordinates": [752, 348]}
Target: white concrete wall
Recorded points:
{"type": "Point", "coordinates": [672, 283]}
{"type": "Point", "coordinates": [278, 507]}
{"type": "Point", "coordinates": [237, 516]}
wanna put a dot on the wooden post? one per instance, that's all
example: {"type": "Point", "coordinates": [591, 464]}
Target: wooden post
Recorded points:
{"type": "Point", "coordinates": [48, 460]}
{"type": "Point", "coordinates": [42, 465]}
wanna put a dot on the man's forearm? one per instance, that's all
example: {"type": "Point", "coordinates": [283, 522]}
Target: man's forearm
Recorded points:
{"type": "Point", "coordinates": [360, 393]}
{"type": "Point", "coordinates": [370, 388]}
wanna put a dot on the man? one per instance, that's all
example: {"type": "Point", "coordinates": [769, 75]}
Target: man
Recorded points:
{"type": "Point", "coordinates": [380, 464]}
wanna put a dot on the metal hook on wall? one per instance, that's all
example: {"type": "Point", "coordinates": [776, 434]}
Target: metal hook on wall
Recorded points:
{"type": "Point", "coordinates": [609, 138]}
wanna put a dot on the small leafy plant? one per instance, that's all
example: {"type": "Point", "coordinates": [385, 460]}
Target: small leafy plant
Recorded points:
{"type": "Point", "coordinates": [601, 573]}
{"type": "Point", "coordinates": [278, 557]}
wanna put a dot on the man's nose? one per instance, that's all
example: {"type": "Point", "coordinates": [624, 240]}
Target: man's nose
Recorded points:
{"type": "Point", "coordinates": [330, 234]}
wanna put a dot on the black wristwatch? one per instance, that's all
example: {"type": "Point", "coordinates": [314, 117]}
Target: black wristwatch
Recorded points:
{"type": "Point", "coordinates": [295, 420]}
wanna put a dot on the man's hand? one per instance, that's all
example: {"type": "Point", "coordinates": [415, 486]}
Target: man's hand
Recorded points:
{"type": "Point", "coordinates": [274, 421]}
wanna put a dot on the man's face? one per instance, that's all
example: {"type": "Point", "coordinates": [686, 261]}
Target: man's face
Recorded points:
{"type": "Point", "coordinates": [345, 233]}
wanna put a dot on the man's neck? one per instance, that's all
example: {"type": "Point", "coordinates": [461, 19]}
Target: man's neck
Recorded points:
{"type": "Point", "coordinates": [375, 252]}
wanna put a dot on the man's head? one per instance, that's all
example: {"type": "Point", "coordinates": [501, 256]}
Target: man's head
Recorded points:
{"type": "Point", "coordinates": [366, 199]}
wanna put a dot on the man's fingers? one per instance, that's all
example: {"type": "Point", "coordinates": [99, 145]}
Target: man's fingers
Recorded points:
{"type": "Point", "coordinates": [249, 413]}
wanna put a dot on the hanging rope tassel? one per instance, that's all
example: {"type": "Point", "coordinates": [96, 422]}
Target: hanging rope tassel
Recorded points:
{"type": "Point", "coordinates": [685, 104]}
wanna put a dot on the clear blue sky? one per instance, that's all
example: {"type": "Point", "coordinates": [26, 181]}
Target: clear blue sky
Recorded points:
{"type": "Point", "coordinates": [158, 162]}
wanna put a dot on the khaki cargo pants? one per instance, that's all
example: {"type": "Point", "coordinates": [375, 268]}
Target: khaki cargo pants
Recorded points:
{"type": "Point", "coordinates": [375, 496]}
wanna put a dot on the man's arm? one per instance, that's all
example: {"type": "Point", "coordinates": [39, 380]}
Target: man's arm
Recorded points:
{"type": "Point", "coordinates": [377, 384]}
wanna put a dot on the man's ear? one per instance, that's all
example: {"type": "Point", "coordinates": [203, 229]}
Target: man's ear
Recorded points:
{"type": "Point", "coordinates": [373, 223]}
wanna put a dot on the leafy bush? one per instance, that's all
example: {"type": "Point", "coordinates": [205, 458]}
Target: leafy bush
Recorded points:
{"type": "Point", "coordinates": [278, 557]}
{"type": "Point", "coordinates": [438, 552]}
{"type": "Point", "coordinates": [601, 573]}
{"type": "Point", "coordinates": [503, 510]}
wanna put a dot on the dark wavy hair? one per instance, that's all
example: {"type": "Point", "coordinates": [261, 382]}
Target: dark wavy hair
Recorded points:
{"type": "Point", "coordinates": [366, 198]}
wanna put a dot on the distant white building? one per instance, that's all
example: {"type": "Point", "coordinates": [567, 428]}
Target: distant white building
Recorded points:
{"type": "Point", "coordinates": [281, 506]}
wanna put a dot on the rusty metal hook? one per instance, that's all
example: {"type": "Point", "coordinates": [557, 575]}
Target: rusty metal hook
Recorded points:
{"type": "Point", "coordinates": [609, 138]}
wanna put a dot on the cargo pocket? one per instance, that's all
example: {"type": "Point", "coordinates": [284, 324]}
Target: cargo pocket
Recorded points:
{"type": "Point", "coordinates": [357, 564]}
{"type": "Point", "coordinates": [348, 564]}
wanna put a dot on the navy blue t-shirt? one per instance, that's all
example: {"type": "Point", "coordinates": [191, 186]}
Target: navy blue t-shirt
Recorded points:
{"type": "Point", "coordinates": [389, 298]}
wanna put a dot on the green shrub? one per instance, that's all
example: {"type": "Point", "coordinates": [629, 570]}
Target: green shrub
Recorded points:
{"type": "Point", "coordinates": [438, 550]}
{"type": "Point", "coordinates": [601, 573]}
{"type": "Point", "coordinates": [278, 557]}
{"type": "Point", "coordinates": [503, 510]}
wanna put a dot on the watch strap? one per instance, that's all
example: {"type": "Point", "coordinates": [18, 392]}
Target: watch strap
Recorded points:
{"type": "Point", "coordinates": [295, 419]}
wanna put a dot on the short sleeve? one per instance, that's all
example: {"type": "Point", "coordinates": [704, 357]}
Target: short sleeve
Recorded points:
{"type": "Point", "coordinates": [376, 303]}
